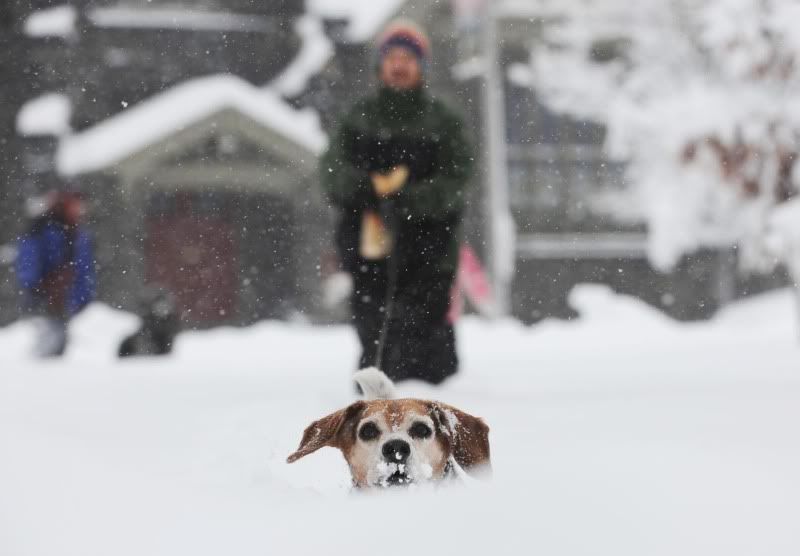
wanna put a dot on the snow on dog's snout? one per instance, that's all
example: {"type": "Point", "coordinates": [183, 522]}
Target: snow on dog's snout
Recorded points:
{"type": "Point", "coordinates": [388, 474]}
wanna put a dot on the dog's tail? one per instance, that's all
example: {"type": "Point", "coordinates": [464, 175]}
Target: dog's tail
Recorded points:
{"type": "Point", "coordinates": [375, 384]}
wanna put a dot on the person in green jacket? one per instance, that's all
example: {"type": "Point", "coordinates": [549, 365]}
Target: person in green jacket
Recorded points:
{"type": "Point", "coordinates": [397, 169]}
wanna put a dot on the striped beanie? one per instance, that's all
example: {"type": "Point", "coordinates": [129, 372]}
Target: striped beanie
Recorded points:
{"type": "Point", "coordinates": [406, 34]}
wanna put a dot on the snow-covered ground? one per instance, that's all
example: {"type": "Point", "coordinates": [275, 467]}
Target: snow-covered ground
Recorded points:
{"type": "Point", "coordinates": [622, 433]}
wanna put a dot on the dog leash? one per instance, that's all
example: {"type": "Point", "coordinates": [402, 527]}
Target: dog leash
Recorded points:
{"type": "Point", "coordinates": [392, 271]}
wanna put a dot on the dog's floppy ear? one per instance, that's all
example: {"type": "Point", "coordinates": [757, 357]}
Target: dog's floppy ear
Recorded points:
{"type": "Point", "coordinates": [326, 431]}
{"type": "Point", "coordinates": [467, 435]}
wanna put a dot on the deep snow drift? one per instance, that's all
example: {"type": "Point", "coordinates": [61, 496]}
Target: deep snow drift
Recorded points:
{"type": "Point", "coordinates": [621, 433]}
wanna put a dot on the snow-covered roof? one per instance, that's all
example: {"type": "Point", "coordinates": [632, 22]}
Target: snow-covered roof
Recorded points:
{"type": "Point", "coordinates": [316, 50]}
{"type": "Point", "coordinates": [366, 17]}
{"type": "Point", "coordinates": [521, 8]}
{"type": "Point", "coordinates": [48, 114]}
{"type": "Point", "coordinates": [134, 129]}
{"type": "Point", "coordinates": [160, 18]}
{"type": "Point", "coordinates": [52, 22]}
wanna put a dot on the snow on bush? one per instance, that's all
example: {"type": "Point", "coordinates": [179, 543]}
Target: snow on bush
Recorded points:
{"type": "Point", "coordinates": [701, 99]}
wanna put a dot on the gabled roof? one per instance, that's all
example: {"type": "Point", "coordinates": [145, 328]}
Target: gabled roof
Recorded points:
{"type": "Point", "coordinates": [133, 129]}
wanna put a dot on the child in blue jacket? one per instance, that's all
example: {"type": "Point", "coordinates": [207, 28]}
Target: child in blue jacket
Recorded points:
{"type": "Point", "coordinates": [55, 268]}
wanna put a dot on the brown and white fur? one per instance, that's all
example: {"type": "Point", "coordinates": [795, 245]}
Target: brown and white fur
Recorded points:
{"type": "Point", "coordinates": [398, 442]}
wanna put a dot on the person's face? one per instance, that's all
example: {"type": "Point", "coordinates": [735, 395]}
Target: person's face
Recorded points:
{"type": "Point", "coordinates": [400, 69]}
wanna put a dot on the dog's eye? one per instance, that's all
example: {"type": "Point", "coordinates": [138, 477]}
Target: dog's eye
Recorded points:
{"type": "Point", "coordinates": [420, 430]}
{"type": "Point", "coordinates": [369, 432]}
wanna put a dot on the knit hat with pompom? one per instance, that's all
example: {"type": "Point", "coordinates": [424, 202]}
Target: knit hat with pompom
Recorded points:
{"type": "Point", "coordinates": [406, 34]}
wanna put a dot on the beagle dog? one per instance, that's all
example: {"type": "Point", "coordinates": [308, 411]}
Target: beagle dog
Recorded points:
{"type": "Point", "coordinates": [398, 442]}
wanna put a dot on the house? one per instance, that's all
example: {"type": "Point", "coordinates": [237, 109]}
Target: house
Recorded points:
{"type": "Point", "coordinates": [229, 170]}
{"type": "Point", "coordinates": [208, 191]}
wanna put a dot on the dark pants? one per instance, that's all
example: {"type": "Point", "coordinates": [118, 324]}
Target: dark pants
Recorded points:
{"type": "Point", "coordinates": [420, 343]}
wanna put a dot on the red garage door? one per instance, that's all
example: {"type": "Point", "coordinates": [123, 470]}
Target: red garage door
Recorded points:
{"type": "Point", "coordinates": [191, 250]}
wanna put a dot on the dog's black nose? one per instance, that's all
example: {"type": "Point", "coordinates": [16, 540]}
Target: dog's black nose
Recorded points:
{"type": "Point", "coordinates": [396, 451]}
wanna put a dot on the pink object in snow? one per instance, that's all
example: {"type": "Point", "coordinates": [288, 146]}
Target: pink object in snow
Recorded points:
{"type": "Point", "coordinates": [471, 282]}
